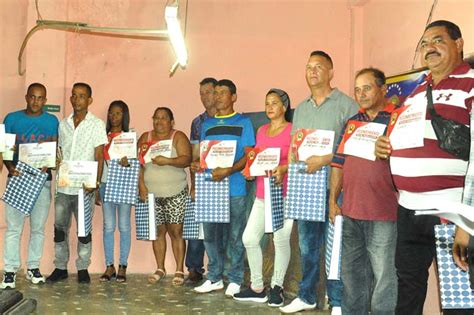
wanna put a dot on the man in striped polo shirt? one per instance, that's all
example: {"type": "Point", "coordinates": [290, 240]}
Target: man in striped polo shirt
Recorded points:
{"type": "Point", "coordinates": [428, 173]}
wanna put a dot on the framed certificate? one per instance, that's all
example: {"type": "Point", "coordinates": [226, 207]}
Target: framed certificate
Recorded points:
{"type": "Point", "coordinates": [309, 142]}
{"type": "Point", "coordinates": [38, 154]}
{"type": "Point", "coordinates": [75, 174]}
{"type": "Point", "coordinates": [359, 139]}
{"type": "Point", "coordinates": [261, 160]}
{"type": "Point", "coordinates": [217, 153]}
{"type": "Point", "coordinates": [125, 144]}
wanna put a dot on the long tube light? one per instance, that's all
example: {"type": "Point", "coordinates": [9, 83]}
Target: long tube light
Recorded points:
{"type": "Point", "coordinates": [175, 34]}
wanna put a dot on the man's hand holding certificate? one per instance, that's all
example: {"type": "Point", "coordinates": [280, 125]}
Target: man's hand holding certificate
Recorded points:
{"type": "Point", "coordinates": [38, 155]}
{"type": "Point", "coordinates": [261, 160]}
{"type": "Point", "coordinates": [308, 142]}
{"type": "Point", "coordinates": [217, 153]}
{"type": "Point", "coordinates": [78, 174]}
{"type": "Point", "coordinates": [359, 139]}
{"type": "Point", "coordinates": [125, 144]}
{"type": "Point", "coordinates": [407, 127]}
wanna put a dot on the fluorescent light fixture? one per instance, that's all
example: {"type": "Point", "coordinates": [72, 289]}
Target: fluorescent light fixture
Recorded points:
{"type": "Point", "coordinates": [175, 34]}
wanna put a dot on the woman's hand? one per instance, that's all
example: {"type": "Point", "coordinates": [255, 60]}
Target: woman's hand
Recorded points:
{"type": "Point", "coordinates": [124, 162]}
{"type": "Point", "coordinates": [143, 192]}
{"type": "Point", "coordinates": [160, 160]}
{"type": "Point", "coordinates": [279, 173]}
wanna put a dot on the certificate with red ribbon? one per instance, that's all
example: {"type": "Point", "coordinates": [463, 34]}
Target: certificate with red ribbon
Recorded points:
{"type": "Point", "coordinates": [217, 153]}
{"type": "Point", "coordinates": [261, 160]}
{"type": "Point", "coordinates": [309, 142]}
{"type": "Point", "coordinates": [359, 139]}
{"type": "Point", "coordinates": [406, 128]}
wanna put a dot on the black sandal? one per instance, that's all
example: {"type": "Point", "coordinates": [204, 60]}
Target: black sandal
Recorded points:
{"type": "Point", "coordinates": [108, 274]}
{"type": "Point", "coordinates": [121, 275]}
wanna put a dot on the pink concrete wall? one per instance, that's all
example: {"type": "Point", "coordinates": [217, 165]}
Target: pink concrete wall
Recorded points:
{"type": "Point", "coordinates": [257, 43]}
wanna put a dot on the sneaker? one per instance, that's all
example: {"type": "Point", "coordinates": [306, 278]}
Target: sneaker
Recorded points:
{"type": "Point", "coordinates": [9, 279]}
{"type": "Point", "coordinates": [336, 310]}
{"type": "Point", "coordinates": [232, 288]}
{"type": "Point", "coordinates": [58, 274]}
{"type": "Point", "coordinates": [251, 296]}
{"type": "Point", "coordinates": [83, 276]}
{"type": "Point", "coordinates": [35, 276]}
{"type": "Point", "coordinates": [275, 296]}
{"type": "Point", "coordinates": [209, 286]}
{"type": "Point", "coordinates": [297, 305]}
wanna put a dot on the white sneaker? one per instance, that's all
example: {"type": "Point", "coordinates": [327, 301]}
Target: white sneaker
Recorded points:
{"type": "Point", "coordinates": [9, 280]}
{"type": "Point", "coordinates": [232, 288]}
{"type": "Point", "coordinates": [336, 310]}
{"type": "Point", "coordinates": [297, 305]}
{"type": "Point", "coordinates": [208, 286]}
{"type": "Point", "coordinates": [35, 276]}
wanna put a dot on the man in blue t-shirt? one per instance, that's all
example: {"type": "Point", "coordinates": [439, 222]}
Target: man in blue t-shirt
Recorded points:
{"type": "Point", "coordinates": [222, 238]}
{"type": "Point", "coordinates": [31, 125]}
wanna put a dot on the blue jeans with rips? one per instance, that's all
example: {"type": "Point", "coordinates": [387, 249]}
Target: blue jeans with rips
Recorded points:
{"type": "Point", "coordinates": [368, 267]}
{"type": "Point", "coordinates": [220, 238]}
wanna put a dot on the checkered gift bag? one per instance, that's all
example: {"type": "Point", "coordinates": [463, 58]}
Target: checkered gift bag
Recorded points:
{"type": "Point", "coordinates": [274, 210]}
{"type": "Point", "coordinates": [192, 230]}
{"type": "Point", "coordinates": [306, 193]}
{"type": "Point", "coordinates": [334, 249]}
{"type": "Point", "coordinates": [122, 182]}
{"type": "Point", "coordinates": [454, 283]}
{"type": "Point", "coordinates": [85, 202]}
{"type": "Point", "coordinates": [23, 191]}
{"type": "Point", "coordinates": [145, 219]}
{"type": "Point", "coordinates": [212, 199]}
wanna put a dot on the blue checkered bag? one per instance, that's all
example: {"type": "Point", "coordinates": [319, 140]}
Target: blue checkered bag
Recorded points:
{"type": "Point", "coordinates": [334, 249]}
{"type": "Point", "coordinates": [85, 203]}
{"type": "Point", "coordinates": [192, 230]}
{"type": "Point", "coordinates": [454, 283]}
{"type": "Point", "coordinates": [145, 219]}
{"type": "Point", "coordinates": [274, 207]}
{"type": "Point", "coordinates": [122, 182]}
{"type": "Point", "coordinates": [306, 193]}
{"type": "Point", "coordinates": [212, 199]}
{"type": "Point", "coordinates": [23, 191]}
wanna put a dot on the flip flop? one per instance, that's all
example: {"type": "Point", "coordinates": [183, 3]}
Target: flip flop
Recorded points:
{"type": "Point", "coordinates": [178, 279]}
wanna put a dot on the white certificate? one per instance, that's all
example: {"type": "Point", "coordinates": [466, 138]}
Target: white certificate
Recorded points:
{"type": "Point", "coordinates": [77, 173]}
{"type": "Point", "coordinates": [38, 154]}
{"type": "Point", "coordinates": [309, 142]}
{"type": "Point", "coordinates": [407, 126]}
{"type": "Point", "coordinates": [217, 153]}
{"type": "Point", "coordinates": [125, 144]}
{"type": "Point", "coordinates": [10, 139]}
{"type": "Point", "coordinates": [163, 148]}
{"type": "Point", "coordinates": [359, 139]}
{"type": "Point", "coordinates": [2, 138]}
{"type": "Point", "coordinates": [261, 160]}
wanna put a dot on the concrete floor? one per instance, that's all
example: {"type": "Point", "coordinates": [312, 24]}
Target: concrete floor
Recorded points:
{"type": "Point", "coordinates": [135, 296]}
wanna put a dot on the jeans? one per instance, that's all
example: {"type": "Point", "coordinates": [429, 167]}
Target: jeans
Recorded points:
{"type": "Point", "coordinates": [281, 239]}
{"type": "Point", "coordinates": [220, 238]}
{"type": "Point", "coordinates": [310, 237]}
{"type": "Point", "coordinates": [15, 220]}
{"type": "Point", "coordinates": [65, 206]}
{"type": "Point", "coordinates": [110, 210]}
{"type": "Point", "coordinates": [368, 267]}
{"type": "Point", "coordinates": [195, 256]}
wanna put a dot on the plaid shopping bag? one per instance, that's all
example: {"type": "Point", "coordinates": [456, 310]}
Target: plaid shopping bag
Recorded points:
{"type": "Point", "coordinates": [23, 191]}
{"type": "Point", "coordinates": [454, 286]}
{"type": "Point", "coordinates": [145, 221]}
{"type": "Point", "coordinates": [306, 193]}
{"type": "Point", "coordinates": [274, 210]}
{"type": "Point", "coordinates": [122, 182]}
{"type": "Point", "coordinates": [85, 202]}
{"type": "Point", "coordinates": [212, 199]}
{"type": "Point", "coordinates": [334, 249]}
{"type": "Point", "coordinates": [192, 230]}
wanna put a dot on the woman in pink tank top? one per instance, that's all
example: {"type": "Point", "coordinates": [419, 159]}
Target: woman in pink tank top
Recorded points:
{"type": "Point", "coordinates": [276, 134]}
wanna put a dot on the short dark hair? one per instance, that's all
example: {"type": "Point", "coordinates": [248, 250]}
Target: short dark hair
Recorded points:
{"type": "Point", "coordinates": [453, 30]}
{"type": "Point", "coordinates": [377, 73]}
{"type": "Point", "coordinates": [84, 85]}
{"type": "Point", "coordinates": [208, 80]}
{"type": "Point", "coordinates": [167, 110]}
{"type": "Point", "coordinates": [125, 115]}
{"type": "Point", "coordinates": [36, 85]}
{"type": "Point", "coordinates": [322, 54]}
{"type": "Point", "coordinates": [229, 84]}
